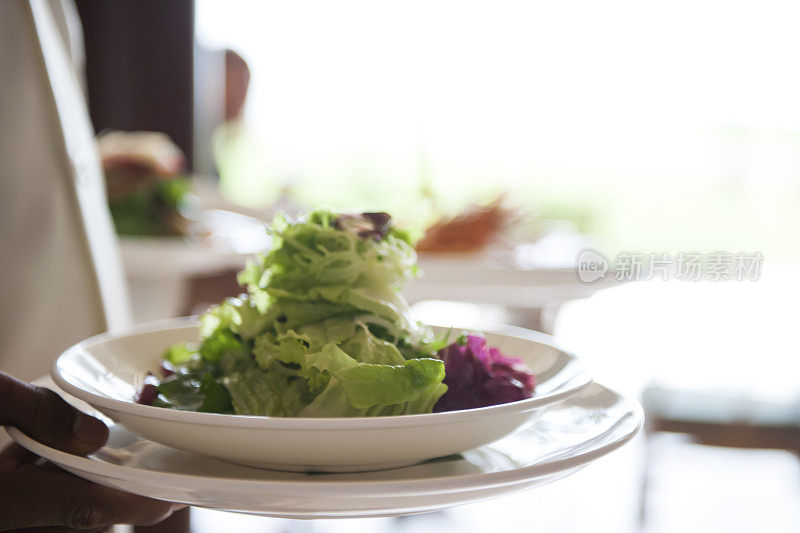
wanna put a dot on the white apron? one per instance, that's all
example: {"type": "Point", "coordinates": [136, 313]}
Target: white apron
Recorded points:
{"type": "Point", "coordinates": [61, 278]}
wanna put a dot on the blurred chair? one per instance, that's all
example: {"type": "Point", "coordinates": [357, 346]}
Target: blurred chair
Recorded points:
{"type": "Point", "coordinates": [717, 419]}
{"type": "Point", "coordinates": [207, 290]}
{"type": "Point", "coordinates": [738, 421]}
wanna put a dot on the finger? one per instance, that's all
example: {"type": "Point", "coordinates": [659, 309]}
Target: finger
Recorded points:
{"type": "Point", "coordinates": [179, 522]}
{"type": "Point", "coordinates": [57, 529]}
{"type": "Point", "coordinates": [42, 415]}
{"type": "Point", "coordinates": [17, 453]}
{"type": "Point", "coordinates": [31, 496]}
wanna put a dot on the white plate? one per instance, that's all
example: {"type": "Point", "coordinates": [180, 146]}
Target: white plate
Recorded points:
{"type": "Point", "coordinates": [567, 437]}
{"type": "Point", "coordinates": [105, 371]}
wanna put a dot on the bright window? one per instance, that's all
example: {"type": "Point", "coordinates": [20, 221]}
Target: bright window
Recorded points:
{"type": "Point", "coordinates": [654, 126]}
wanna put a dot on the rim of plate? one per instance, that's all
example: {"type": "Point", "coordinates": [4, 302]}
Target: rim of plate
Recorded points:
{"type": "Point", "coordinates": [418, 486]}
{"type": "Point", "coordinates": [579, 381]}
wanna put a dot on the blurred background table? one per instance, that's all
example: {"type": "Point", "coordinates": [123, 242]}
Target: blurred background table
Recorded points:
{"type": "Point", "coordinates": [526, 297]}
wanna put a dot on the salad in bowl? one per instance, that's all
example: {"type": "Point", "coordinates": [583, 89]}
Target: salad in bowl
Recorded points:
{"type": "Point", "coordinates": [324, 331]}
{"type": "Point", "coordinates": [318, 365]}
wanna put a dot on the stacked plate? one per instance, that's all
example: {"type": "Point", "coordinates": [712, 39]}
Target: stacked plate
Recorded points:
{"type": "Point", "coordinates": [335, 467]}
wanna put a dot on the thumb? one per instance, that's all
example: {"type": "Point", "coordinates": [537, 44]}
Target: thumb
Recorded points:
{"type": "Point", "coordinates": [42, 415]}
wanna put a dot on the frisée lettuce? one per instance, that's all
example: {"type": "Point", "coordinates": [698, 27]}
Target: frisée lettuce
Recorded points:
{"type": "Point", "coordinates": [322, 330]}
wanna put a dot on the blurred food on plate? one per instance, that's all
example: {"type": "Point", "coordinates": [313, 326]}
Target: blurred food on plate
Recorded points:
{"type": "Point", "coordinates": [145, 181]}
{"type": "Point", "coordinates": [473, 230]}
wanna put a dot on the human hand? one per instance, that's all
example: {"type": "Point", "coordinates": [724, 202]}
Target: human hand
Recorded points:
{"type": "Point", "coordinates": [37, 494]}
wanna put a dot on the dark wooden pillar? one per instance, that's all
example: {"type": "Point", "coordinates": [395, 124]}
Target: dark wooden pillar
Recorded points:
{"type": "Point", "coordinates": [139, 65]}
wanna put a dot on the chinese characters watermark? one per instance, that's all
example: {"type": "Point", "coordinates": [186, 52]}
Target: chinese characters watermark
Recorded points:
{"type": "Point", "coordinates": [718, 265]}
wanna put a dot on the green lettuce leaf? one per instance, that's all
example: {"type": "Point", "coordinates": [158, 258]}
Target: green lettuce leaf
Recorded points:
{"type": "Point", "coordinates": [368, 385]}
{"type": "Point", "coordinates": [279, 392]}
{"type": "Point", "coordinates": [215, 398]}
{"type": "Point", "coordinates": [181, 353]}
{"type": "Point", "coordinates": [378, 390]}
{"type": "Point", "coordinates": [367, 348]}
{"type": "Point", "coordinates": [223, 342]}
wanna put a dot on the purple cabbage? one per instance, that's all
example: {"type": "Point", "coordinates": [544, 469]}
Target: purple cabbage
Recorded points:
{"type": "Point", "coordinates": [149, 390]}
{"type": "Point", "coordinates": [477, 376]}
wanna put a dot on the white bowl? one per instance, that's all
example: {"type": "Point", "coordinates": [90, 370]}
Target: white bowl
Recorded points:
{"type": "Point", "coordinates": [106, 370]}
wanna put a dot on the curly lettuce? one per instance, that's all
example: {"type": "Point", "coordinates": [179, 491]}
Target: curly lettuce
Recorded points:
{"type": "Point", "coordinates": [321, 331]}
